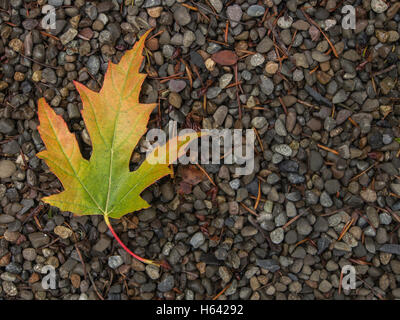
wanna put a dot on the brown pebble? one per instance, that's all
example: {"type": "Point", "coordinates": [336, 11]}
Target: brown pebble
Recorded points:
{"type": "Point", "coordinates": [271, 67]}
{"type": "Point", "coordinates": [154, 12]}
{"type": "Point", "coordinates": [152, 44]}
{"type": "Point", "coordinates": [75, 280]}
{"type": "Point", "coordinates": [34, 278]}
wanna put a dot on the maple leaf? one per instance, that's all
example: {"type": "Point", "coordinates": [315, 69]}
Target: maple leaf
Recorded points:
{"type": "Point", "coordinates": [115, 121]}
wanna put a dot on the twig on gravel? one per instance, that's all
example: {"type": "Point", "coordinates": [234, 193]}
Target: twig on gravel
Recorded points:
{"type": "Point", "coordinates": [292, 220]}
{"type": "Point", "coordinates": [345, 229]}
{"type": "Point", "coordinates": [249, 210]}
{"type": "Point", "coordinates": [388, 69]}
{"type": "Point", "coordinates": [258, 196]}
{"type": "Point", "coordinates": [317, 25]}
{"type": "Point", "coordinates": [40, 63]}
{"type": "Point", "coordinates": [365, 171]}
{"type": "Point", "coordinates": [206, 174]}
{"type": "Point", "coordinates": [259, 139]}
{"type": "Point", "coordinates": [200, 7]}
{"type": "Point", "coordinates": [80, 257]}
{"type": "Point", "coordinates": [221, 292]}
{"type": "Point", "coordinates": [283, 105]}
{"type": "Point", "coordinates": [371, 288]}
{"type": "Point", "coordinates": [95, 287]}
{"type": "Point", "coordinates": [327, 149]}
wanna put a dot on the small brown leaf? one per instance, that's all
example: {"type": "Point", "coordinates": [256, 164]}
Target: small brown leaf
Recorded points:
{"type": "Point", "coordinates": [225, 57]}
{"type": "Point", "coordinates": [191, 175]}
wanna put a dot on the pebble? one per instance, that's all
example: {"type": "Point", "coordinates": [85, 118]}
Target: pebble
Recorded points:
{"type": "Point", "coordinates": [285, 22]}
{"type": "Point", "coordinates": [176, 85]}
{"type": "Point", "coordinates": [280, 128]}
{"type": "Point", "coordinates": [259, 122]}
{"type": "Point", "coordinates": [277, 235]}
{"type": "Point", "coordinates": [68, 36]}
{"type": "Point", "coordinates": [368, 195]}
{"type": "Point", "coordinates": [38, 239]}
{"type": "Point", "coordinates": [166, 284]}
{"type": "Point", "coordinates": [197, 240]}
{"type": "Point", "coordinates": [265, 45]}
{"type": "Point", "coordinates": [182, 16]}
{"type": "Point", "coordinates": [268, 264]}
{"type": "Point", "coordinates": [315, 161]}
{"type": "Point", "coordinates": [93, 65]}
{"type": "Point", "coordinates": [225, 79]}
{"type": "Point", "coordinates": [10, 288]}
{"type": "Point", "coordinates": [63, 232]}
{"type": "Point", "coordinates": [255, 11]}
{"type": "Point", "coordinates": [271, 67]}
{"type": "Point", "coordinates": [325, 200]}
{"type": "Point", "coordinates": [234, 14]}
{"type": "Point", "coordinates": [303, 227]}
{"type": "Point", "coordinates": [390, 248]}
{"type": "Point", "coordinates": [267, 86]}
{"type": "Point", "coordinates": [7, 169]}
{"type": "Point", "coordinates": [257, 60]}
{"type": "Point", "coordinates": [217, 4]}
{"type": "Point", "coordinates": [379, 6]}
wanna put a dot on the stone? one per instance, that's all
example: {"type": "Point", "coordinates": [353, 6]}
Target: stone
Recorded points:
{"type": "Point", "coordinates": [63, 232]}
{"type": "Point", "coordinates": [225, 79]}
{"type": "Point", "coordinates": [7, 169]}
{"type": "Point", "coordinates": [325, 286]}
{"type": "Point", "coordinates": [379, 6]}
{"type": "Point", "coordinates": [197, 240]}
{"type": "Point", "coordinates": [176, 85]}
{"type": "Point", "coordinates": [284, 150]}
{"type": "Point", "coordinates": [303, 227]}
{"type": "Point", "coordinates": [277, 235]}
{"type": "Point", "coordinates": [259, 122]}
{"type": "Point", "coordinates": [217, 4]}
{"type": "Point", "coordinates": [264, 45]}
{"type": "Point", "coordinates": [285, 22]}
{"type": "Point", "coordinates": [182, 16]}
{"type": "Point", "coordinates": [267, 86]}
{"type": "Point", "coordinates": [257, 60]}
{"type": "Point", "coordinates": [268, 264]}
{"type": "Point", "coordinates": [93, 65]}
{"type": "Point", "coordinates": [188, 38]}
{"type": "Point", "coordinates": [325, 200]}
{"type": "Point", "coordinates": [368, 195]}
{"type": "Point", "coordinates": [68, 36]}
{"type": "Point", "coordinates": [38, 239]}
{"type": "Point", "coordinates": [315, 161]}
{"type": "Point", "coordinates": [255, 11]}
{"type": "Point", "coordinates": [147, 215]}
{"type": "Point", "coordinates": [301, 60]}
{"type": "Point", "coordinates": [152, 271]}
{"type": "Point", "coordinates": [175, 100]}
{"type": "Point", "coordinates": [29, 254]}
{"type": "Point", "coordinates": [280, 128]}
{"type": "Point", "coordinates": [234, 14]}
{"type": "Point", "coordinates": [166, 284]}
{"type": "Point", "coordinates": [271, 67]}
{"type": "Point", "coordinates": [115, 261]}
{"type": "Point", "coordinates": [390, 248]}
{"type": "Point", "coordinates": [220, 115]}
